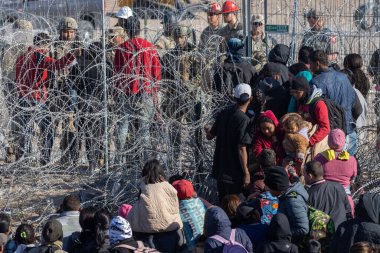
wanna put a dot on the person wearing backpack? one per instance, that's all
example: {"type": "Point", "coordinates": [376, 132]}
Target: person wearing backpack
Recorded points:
{"type": "Point", "coordinates": [292, 200]}
{"type": "Point", "coordinates": [121, 238]}
{"type": "Point", "coordinates": [221, 238]}
{"type": "Point", "coordinates": [337, 87]}
{"type": "Point", "coordinates": [52, 236]}
{"type": "Point", "coordinates": [279, 237]}
{"type": "Point", "coordinates": [326, 196]}
{"type": "Point", "coordinates": [338, 165]}
{"type": "Point", "coordinates": [24, 238]}
{"type": "Point", "coordinates": [314, 110]}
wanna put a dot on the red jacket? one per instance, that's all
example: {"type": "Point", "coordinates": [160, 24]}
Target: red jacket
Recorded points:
{"type": "Point", "coordinates": [321, 119]}
{"type": "Point", "coordinates": [262, 142]}
{"type": "Point", "coordinates": [138, 60]}
{"type": "Point", "coordinates": [32, 70]}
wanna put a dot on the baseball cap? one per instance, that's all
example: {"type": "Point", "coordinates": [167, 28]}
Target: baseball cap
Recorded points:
{"type": "Point", "coordinates": [258, 18]}
{"type": "Point", "coordinates": [242, 92]}
{"type": "Point", "coordinates": [124, 13]}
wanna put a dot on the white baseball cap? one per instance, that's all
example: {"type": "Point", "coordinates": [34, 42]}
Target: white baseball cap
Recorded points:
{"type": "Point", "coordinates": [242, 92]}
{"type": "Point", "coordinates": [124, 13]}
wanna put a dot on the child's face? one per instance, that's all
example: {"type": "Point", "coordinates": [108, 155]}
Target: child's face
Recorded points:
{"type": "Point", "coordinates": [291, 128]}
{"type": "Point", "coordinates": [268, 129]}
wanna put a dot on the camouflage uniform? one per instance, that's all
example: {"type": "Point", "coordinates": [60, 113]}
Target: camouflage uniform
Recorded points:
{"type": "Point", "coordinates": [259, 51]}
{"type": "Point", "coordinates": [182, 66]}
{"type": "Point", "coordinates": [207, 33]}
{"type": "Point", "coordinates": [165, 42]}
{"type": "Point", "coordinates": [227, 33]}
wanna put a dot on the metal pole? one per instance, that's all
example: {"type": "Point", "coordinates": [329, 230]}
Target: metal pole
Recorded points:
{"type": "Point", "coordinates": [266, 22]}
{"type": "Point", "coordinates": [243, 19]}
{"type": "Point", "coordinates": [293, 42]}
{"type": "Point", "coordinates": [249, 39]}
{"type": "Point", "coordinates": [105, 88]}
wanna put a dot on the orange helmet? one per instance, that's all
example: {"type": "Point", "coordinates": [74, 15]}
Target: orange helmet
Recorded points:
{"type": "Point", "coordinates": [229, 6]}
{"type": "Point", "coordinates": [214, 8]}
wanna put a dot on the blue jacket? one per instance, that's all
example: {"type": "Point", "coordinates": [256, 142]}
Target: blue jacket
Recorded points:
{"type": "Point", "coordinates": [293, 203]}
{"type": "Point", "coordinates": [217, 223]}
{"type": "Point", "coordinates": [336, 86]}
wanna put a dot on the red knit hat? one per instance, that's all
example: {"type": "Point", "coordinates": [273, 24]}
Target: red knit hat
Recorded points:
{"type": "Point", "coordinates": [185, 189]}
{"type": "Point", "coordinates": [337, 140]}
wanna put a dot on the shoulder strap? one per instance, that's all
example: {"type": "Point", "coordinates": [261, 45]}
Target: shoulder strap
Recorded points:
{"type": "Point", "coordinates": [232, 237]}
{"type": "Point", "coordinates": [219, 239]}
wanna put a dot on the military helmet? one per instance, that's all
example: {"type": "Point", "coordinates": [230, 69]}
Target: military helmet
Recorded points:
{"type": "Point", "coordinates": [68, 23]}
{"type": "Point", "coordinates": [169, 18]}
{"type": "Point", "coordinates": [181, 31]}
{"type": "Point", "coordinates": [23, 25]}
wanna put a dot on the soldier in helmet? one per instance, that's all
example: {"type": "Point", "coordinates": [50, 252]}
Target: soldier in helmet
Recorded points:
{"type": "Point", "coordinates": [260, 42]}
{"type": "Point", "coordinates": [213, 19]}
{"type": "Point", "coordinates": [115, 37]}
{"type": "Point", "coordinates": [65, 97]}
{"type": "Point", "coordinates": [233, 28]}
{"type": "Point", "coordinates": [166, 40]}
{"type": "Point", "coordinates": [181, 65]}
{"type": "Point", "coordinates": [318, 37]}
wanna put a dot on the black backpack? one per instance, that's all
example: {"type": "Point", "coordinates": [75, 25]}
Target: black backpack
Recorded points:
{"type": "Point", "coordinates": [337, 114]}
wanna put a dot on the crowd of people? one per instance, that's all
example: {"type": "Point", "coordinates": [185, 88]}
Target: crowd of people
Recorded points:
{"type": "Point", "coordinates": [286, 137]}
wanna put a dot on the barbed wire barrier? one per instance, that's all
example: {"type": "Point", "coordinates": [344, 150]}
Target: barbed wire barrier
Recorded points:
{"type": "Point", "coordinates": [57, 144]}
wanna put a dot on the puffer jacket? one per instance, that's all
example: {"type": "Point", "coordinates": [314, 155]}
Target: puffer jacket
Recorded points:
{"type": "Point", "coordinates": [217, 223]}
{"type": "Point", "coordinates": [365, 226]}
{"type": "Point", "coordinates": [336, 86]}
{"type": "Point", "coordinates": [156, 210]}
{"type": "Point", "coordinates": [293, 203]}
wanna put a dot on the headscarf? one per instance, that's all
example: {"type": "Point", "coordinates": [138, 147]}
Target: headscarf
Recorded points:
{"type": "Point", "coordinates": [120, 230]}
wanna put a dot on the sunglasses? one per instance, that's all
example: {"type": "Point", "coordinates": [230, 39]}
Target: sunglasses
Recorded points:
{"type": "Point", "coordinates": [257, 23]}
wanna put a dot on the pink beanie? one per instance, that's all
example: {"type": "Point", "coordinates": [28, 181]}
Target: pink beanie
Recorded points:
{"type": "Point", "coordinates": [124, 210]}
{"type": "Point", "coordinates": [337, 140]}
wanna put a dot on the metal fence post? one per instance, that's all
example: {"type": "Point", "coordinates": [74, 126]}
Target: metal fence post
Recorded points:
{"type": "Point", "coordinates": [105, 88]}
{"type": "Point", "coordinates": [293, 41]}
{"type": "Point", "coordinates": [266, 22]}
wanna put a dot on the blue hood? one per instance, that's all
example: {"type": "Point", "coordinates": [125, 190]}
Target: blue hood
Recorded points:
{"type": "Point", "coordinates": [300, 190]}
{"type": "Point", "coordinates": [217, 222]}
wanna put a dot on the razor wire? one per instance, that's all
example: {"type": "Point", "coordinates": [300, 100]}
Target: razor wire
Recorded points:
{"type": "Point", "coordinates": [76, 121]}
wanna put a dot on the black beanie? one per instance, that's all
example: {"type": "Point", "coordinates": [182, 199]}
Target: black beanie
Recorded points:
{"type": "Point", "coordinates": [52, 231]}
{"type": "Point", "coordinates": [299, 83]}
{"type": "Point", "coordinates": [276, 178]}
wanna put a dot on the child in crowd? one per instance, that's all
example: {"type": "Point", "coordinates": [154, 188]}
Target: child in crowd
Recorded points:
{"type": "Point", "coordinates": [248, 216]}
{"type": "Point", "coordinates": [217, 223]}
{"type": "Point", "coordinates": [280, 237]}
{"type": "Point", "coordinates": [364, 247]}
{"type": "Point", "coordinates": [269, 136]}
{"type": "Point", "coordinates": [5, 229]}
{"type": "Point", "coordinates": [24, 238]}
{"type": "Point", "coordinates": [230, 204]}
{"type": "Point", "coordinates": [52, 235]}
{"type": "Point", "coordinates": [192, 211]}
{"type": "Point", "coordinates": [296, 139]}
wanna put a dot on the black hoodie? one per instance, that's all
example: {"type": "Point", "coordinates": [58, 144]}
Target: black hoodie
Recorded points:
{"type": "Point", "coordinates": [280, 55]}
{"type": "Point", "coordinates": [365, 226]}
{"type": "Point", "coordinates": [280, 236]}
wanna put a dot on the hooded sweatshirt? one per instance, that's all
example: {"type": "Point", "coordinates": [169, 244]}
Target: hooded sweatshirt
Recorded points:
{"type": "Point", "coordinates": [280, 236]}
{"type": "Point", "coordinates": [320, 117]}
{"type": "Point", "coordinates": [262, 142]}
{"type": "Point", "coordinates": [365, 226]}
{"type": "Point", "coordinates": [293, 204]}
{"type": "Point", "coordinates": [280, 55]}
{"type": "Point", "coordinates": [217, 223]}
